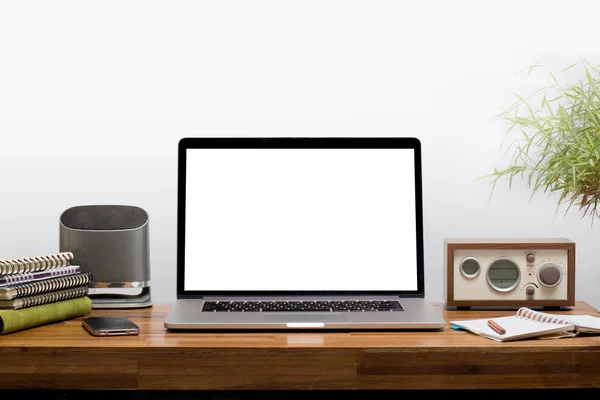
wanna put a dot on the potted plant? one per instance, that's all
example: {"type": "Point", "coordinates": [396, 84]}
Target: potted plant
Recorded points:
{"type": "Point", "coordinates": [557, 149]}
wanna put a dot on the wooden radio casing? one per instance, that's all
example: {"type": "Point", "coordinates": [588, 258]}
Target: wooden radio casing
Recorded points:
{"type": "Point", "coordinates": [509, 273]}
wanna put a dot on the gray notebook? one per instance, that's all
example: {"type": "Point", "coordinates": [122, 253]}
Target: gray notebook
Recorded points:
{"type": "Point", "coordinates": [17, 290]}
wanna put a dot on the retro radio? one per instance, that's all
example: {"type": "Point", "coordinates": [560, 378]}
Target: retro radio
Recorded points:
{"type": "Point", "coordinates": [509, 273]}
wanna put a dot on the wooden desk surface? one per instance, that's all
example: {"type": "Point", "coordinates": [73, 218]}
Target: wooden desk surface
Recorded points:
{"type": "Point", "coordinates": [64, 356]}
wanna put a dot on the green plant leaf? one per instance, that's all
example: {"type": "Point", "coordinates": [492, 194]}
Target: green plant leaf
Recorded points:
{"type": "Point", "coordinates": [557, 148]}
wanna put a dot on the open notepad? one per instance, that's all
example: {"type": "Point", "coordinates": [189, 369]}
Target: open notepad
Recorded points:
{"type": "Point", "coordinates": [527, 323]}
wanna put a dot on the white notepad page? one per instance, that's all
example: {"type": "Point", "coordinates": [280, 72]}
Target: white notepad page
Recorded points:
{"type": "Point", "coordinates": [516, 327]}
{"type": "Point", "coordinates": [585, 323]}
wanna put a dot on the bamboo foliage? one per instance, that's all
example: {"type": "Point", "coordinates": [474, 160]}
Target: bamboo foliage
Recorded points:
{"type": "Point", "coordinates": [557, 149]}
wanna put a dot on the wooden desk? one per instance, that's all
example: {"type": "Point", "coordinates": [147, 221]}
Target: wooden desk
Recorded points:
{"type": "Point", "coordinates": [64, 356]}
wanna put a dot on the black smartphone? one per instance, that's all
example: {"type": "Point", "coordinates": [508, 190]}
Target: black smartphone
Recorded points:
{"type": "Point", "coordinates": [110, 326]}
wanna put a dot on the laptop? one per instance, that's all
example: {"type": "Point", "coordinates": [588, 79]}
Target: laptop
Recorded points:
{"type": "Point", "coordinates": [300, 233]}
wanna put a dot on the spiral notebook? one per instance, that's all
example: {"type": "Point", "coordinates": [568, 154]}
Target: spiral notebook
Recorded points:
{"type": "Point", "coordinates": [39, 275]}
{"type": "Point", "coordinates": [34, 264]}
{"type": "Point", "coordinates": [44, 298]}
{"type": "Point", "coordinates": [527, 323]}
{"type": "Point", "coordinates": [43, 286]}
{"type": "Point", "coordinates": [16, 320]}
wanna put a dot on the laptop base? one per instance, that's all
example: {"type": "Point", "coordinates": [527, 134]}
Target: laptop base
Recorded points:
{"type": "Point", "coordinates": [418, 314]}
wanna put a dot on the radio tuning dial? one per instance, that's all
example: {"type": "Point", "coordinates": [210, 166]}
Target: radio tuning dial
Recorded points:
{"type": "Point", "coordinates": [530, 290]}
{"type": "Point", "coordinates": [530, 257]}
{"type": "Point", "coordinates": [550, 274]}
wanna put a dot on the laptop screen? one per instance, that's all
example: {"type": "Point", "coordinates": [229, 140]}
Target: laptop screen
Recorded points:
{"type": "Point", "coordinates": [300, 215]}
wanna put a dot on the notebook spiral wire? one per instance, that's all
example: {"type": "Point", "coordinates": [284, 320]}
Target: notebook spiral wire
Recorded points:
{"type": "Point", "coordinates": [33, 264]}
{"type": "Point", "coordinates": [51, 297]}
{"type": "Point", "coordinates": [53, 284]}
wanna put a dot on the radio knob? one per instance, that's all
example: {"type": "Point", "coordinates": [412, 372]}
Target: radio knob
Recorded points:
{"type": "Point", "coordinates": [530, 257]}
{"type": "Point", "coordinates": [530, 290]}
{"type": "Point", "coordinates": [550, 274]}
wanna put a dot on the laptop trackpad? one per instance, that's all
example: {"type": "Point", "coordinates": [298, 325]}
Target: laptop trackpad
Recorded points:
{"type": "Point", "coordinates": [317, 317]}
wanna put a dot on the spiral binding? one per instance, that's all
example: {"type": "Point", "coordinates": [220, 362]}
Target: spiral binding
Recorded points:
{"type": "Point", "coordinates": [50, 297]}
{"type": "Point", "coordinates": [32, 276]}
{"type": "Point", "coordinates": [528, 313]}
{"type": "Point", "coordinates": [33, 264]}
{"type": "Point", "coordinates": [49, 285]}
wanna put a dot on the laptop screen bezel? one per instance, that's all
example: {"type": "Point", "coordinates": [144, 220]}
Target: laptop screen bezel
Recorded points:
{"type": "Point", "coordinates": [296, 143]}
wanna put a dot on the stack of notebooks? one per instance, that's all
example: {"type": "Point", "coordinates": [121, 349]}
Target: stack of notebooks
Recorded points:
{"type": "Point", "coordinates": [39, 290]}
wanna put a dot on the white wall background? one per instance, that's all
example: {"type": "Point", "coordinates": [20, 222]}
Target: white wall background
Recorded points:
{"type": "Point", "coordinates": [94, 96]}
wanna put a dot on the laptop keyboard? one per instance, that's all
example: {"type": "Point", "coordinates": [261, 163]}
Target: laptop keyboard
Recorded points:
{"type": "Point", "coordinates": [302, 306]}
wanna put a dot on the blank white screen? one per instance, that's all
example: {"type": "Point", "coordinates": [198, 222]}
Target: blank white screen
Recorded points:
{"type": "Point", "coordinates": [300, 219]}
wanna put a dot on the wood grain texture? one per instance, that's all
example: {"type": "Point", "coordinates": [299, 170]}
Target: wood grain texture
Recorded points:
{"type": "Point", "coordinates": [64, 356]}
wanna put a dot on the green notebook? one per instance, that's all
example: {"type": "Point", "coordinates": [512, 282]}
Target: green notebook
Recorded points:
{"type": "Point", "coordinates": [16, 320]}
